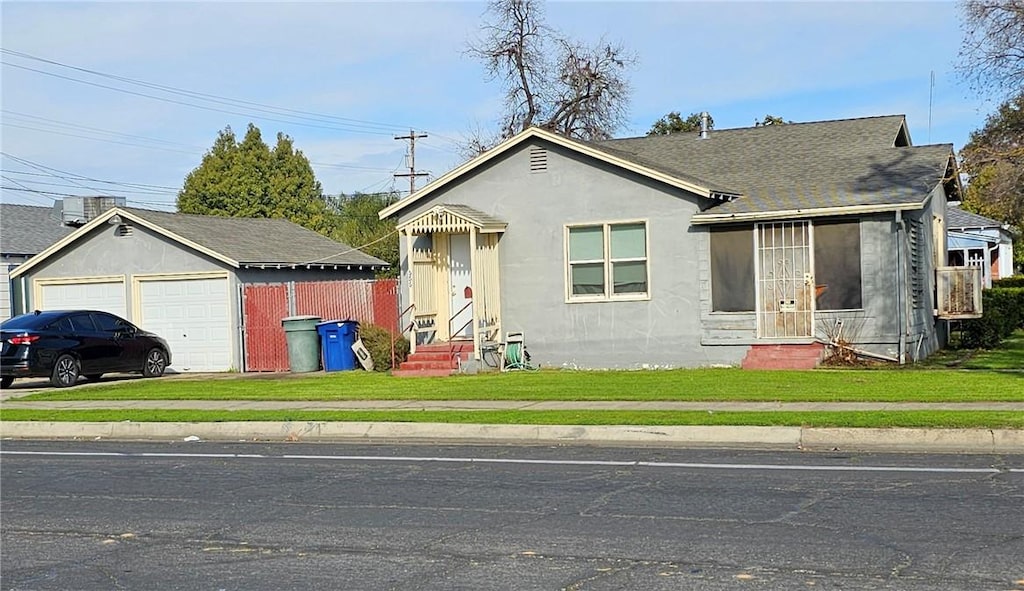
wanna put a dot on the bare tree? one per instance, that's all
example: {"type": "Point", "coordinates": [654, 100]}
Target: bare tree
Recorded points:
{"type": "Point", "coordinates": [551, 81]}
{"type": "Point", "coordinates": [992, 51]}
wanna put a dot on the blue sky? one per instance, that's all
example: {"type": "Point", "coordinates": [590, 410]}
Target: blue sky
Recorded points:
{"type": "Point", "coordinates": [365, 72]}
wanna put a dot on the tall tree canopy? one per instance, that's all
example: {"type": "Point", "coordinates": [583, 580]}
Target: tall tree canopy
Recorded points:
{"type": "Point", "coordinates": [992, 52]}
{"type": "Point", "coordinates": [248, 179]}
{"type": "Point", "coordinates": [359, 225]}
{"type": "Point", "coordinates": [674, 123]}
{"type": "Point", "coordinates": [551, 81]}
{"type": "Point", "coordinates": [994, 161]}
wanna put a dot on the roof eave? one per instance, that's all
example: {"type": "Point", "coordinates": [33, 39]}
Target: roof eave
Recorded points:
{"type": "Point", "coordinates": [721, 218]}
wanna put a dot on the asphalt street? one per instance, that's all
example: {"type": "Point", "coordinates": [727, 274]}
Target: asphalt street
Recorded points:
{"type": "Point", "coordinates": [196, 516]}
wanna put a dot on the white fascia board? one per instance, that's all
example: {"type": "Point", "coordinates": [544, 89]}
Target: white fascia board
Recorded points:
{"type": "Point", "coordinates": [536, 132]}
{"type": "Point", "coordinates": [802, 213]}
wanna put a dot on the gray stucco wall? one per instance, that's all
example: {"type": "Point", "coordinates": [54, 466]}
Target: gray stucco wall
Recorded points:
{"type": "Point", "coordinates": [663, 331]}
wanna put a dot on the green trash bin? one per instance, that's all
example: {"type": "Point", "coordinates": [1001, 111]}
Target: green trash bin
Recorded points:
{"type": "Point", "coordinates": [303, 343]}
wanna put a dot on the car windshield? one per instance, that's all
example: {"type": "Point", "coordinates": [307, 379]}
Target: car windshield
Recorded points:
{"type": "Point", "coordinates": [30, 321]}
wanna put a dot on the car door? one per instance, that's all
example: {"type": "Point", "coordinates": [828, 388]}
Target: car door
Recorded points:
{"type": "Point", "coordinates": [95, 351]}
{"type": "Point", "coordinates": [118, 337]}
{"type": "Point", "coordinates": [131, 349]}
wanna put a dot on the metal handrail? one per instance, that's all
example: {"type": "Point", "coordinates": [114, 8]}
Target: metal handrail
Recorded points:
{"type": "Point", "coordinates": [411, 328]}
{"type": "Point", "coordinates": [451, 344]}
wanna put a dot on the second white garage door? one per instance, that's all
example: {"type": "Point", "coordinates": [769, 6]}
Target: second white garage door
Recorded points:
{"type": "Point", "coordinates": [194, 317]}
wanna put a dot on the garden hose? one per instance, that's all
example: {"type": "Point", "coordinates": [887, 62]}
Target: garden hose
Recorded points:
{"type": "Point", "coordinates": [516, 357]}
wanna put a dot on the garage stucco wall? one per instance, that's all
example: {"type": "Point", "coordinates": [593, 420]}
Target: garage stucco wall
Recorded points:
{"type": "Point", "coordinates": [662, 331]}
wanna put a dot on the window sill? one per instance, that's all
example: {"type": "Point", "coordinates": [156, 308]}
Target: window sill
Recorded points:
{"type": "Point", "coordinates": [604, 300]}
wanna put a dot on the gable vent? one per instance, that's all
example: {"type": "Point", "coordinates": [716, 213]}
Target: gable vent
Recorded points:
{"type": "Point", "coordinates": [538, 159]}
{"type": "Point", "coordinates": [124, 230]}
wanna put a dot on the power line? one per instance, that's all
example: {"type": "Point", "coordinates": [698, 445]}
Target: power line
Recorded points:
{"type": "Point", "coordinates": [209, 97]}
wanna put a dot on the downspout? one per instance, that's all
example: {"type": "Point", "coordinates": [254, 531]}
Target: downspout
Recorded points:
{"type": "Point", "coordinates": [900, 290]}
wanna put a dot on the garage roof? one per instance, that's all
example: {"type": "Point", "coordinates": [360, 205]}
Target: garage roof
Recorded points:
{"type": "Point", "coordinates": [239, 242]}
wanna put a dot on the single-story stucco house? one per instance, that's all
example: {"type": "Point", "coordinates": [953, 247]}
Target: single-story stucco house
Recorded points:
{"type": "Point", "coordinates": [747, 246]}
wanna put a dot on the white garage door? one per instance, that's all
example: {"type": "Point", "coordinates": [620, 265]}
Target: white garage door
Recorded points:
{"type": "Point", "coordinates": [107, 296]}
{"type": "Point", "coordinates": [194, 317]}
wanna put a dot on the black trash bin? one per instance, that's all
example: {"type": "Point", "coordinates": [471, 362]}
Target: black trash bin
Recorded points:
{"type": "Point", "coordinates": [336, 340]}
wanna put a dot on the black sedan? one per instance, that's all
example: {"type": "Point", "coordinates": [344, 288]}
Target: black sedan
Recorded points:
{"type": "Point", "coordinates": [66, 344]}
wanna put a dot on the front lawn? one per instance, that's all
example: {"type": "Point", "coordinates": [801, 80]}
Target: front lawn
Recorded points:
{"type": "Point", "coordinates": [892, 385]}
{"type": "Point", "coordinates": [1008, 356]}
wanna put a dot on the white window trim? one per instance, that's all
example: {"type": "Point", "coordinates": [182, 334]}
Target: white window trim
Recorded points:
{"type": "Point", "coordinates": [607, 296]}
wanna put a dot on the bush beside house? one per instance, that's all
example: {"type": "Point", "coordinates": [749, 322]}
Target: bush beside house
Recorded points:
{"type": "Point", "coordinates": [378, 342]}
{"type": "Point", "coordinates": [1004, 313]}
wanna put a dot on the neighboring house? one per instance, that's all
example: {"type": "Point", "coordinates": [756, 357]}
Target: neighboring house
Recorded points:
{"type": "Point", "coordinates": [977, 241]}
{"type": "Point", "coordinates": [181, 276]}
{"type": "Point", "coordinates": [27, 230]}
{"type": "Point", "coordinates": [742, 245]}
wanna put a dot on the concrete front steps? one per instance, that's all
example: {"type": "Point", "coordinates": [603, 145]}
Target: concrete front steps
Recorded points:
{"type": "Point", "coordinates": [799, 356]}
{"type": "Point", "coordinates": [435, 359]}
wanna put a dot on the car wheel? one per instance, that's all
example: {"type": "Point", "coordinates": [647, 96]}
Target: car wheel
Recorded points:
{"type": "Point", "coordinates": [6, 381]}
{"type": "Point", "coordinates": [94, 377]}
{"type": "Point", "coordinates": [156, 363]}
{"type": "Point", "coordinates": [65, 371]}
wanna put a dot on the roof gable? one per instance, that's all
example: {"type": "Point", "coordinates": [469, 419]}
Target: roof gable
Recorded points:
{"type": "Point", "coordinates": [237, 242]}
{"type": "Point", "coordinates": [600, 152]}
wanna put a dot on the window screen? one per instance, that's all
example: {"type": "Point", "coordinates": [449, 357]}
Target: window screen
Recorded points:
{"type": "Point", "coordinates": [732, 269]}
{"type": "Point", "coordinates": [837, 271]}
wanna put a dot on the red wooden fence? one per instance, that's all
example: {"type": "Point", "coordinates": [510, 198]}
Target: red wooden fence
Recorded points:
{"type": "Point", "coordinates": [366, 301]}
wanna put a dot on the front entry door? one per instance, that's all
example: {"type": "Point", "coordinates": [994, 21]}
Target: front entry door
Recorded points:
{"type": "Point", "coordinates": [785, 280]}
{"type": "Point", "coordinates": [460, 279]}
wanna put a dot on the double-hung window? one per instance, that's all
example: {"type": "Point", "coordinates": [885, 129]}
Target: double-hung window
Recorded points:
{"type": "Point", "coordinates": [607, 261]}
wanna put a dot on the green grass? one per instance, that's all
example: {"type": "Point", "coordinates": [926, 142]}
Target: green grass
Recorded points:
{"type": "Point", "coordinates": [1008, 356]}
{"type": "Point", "coordinates": [685, 385]}
{"type": "Point", "coordinates": [879, 419]}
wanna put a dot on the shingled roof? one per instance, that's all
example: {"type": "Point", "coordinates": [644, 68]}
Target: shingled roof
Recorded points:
{"type": "Point", "coordinates": [239, 242]}
{"type": "Point", "coordinates": [30, 229]}
{"type": "Point", "coordinates": [958, 219]}
{"type": "Point", "coordinates": [864, 163]}
{"type": "Point", "coordinates": [256, 241]}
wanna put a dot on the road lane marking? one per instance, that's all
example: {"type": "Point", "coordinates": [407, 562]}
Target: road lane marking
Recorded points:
{"type": "Point", "coordinates": [466, 460]}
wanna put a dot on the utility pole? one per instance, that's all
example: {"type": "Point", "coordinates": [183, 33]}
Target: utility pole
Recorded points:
{"type": "Point", "coordinates": [412, 174]}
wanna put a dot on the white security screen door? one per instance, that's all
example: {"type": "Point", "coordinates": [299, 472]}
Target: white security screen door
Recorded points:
{"type": "Point", "coordinates": [785, 280]}
{"type": "Point", "coordinates": [460, 278]}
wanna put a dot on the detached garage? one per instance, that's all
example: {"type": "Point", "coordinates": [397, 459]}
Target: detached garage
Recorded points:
{"type": "Point", "coordinates": [181, 276]}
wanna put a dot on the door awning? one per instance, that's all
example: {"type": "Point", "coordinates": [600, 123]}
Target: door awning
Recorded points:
{"type": "Point", "coordinates": [451, 218]}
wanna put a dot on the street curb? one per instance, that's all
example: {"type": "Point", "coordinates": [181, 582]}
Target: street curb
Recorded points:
{"type": "Point", "coordinates": [796, 438]}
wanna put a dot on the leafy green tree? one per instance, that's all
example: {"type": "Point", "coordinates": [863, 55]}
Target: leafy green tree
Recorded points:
{"type": "Point", "coordinates": [674, 123]}
{"type": "Point", "coordinates": [248, 179]}
{"type": "Point", "coordinates": [358, 225]}
{"type": "Point", "coordinates": [994, 161]}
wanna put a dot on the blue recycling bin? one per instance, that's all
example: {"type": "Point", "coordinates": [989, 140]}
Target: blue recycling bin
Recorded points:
{"type": "Point", "coordinates": [336, 340]}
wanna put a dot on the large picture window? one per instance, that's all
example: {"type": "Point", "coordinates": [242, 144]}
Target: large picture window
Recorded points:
{"type": "Point", "coordinates": [607, 261]}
